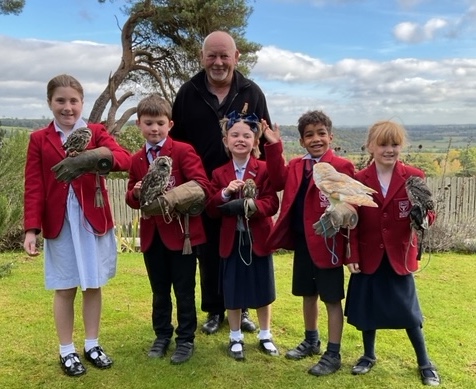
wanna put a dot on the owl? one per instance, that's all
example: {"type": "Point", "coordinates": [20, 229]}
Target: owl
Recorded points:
{"type": "Point", "coordinates": [339, 187]}
{"type": "Point", "coordinates": [154, 183]}
{"type": "Point", "coordinates": [249, 189]}
{"type": "Point", "coordinates": [421, 199]}
{"type": "Point", "coordinates": [77, 141]}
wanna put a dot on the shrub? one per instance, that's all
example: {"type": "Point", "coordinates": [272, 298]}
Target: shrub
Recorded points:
{"type": "Point", "coordinates": [12, 173]}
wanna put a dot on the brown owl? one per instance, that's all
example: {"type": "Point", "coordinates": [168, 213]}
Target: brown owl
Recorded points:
{"type": "Point", "coordinates": [77, 141]}
{"type": "Point", "coordinates": [420, 197]}
{"type": "Point", "coordinates": [249, 189]}
{"type": "Point", "coordinates": [154, 183]}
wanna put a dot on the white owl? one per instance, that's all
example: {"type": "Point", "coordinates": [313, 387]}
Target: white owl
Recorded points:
{"type": "Point", "coordinates": [155, 182]}
{"type": "Point", "coordinates": [339, 187]}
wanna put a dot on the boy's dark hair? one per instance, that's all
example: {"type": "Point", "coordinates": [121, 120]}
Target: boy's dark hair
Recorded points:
{"type": "Point", "coordinates": [314, 117]}
{"type": "Point", "coordinates": [154, 105]}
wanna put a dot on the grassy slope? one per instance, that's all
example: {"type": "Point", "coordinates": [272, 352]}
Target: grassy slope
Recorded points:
{"type": "Point", "coordinates": [29, 347]}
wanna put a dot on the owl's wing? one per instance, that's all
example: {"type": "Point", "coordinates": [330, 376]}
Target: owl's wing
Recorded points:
{"type": "Point", "coordinates": [419, 193]}
{"type": "Point", "coordinates": [347, 190]}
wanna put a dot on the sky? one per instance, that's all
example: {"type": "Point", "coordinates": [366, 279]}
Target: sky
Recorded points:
{"type": "Point", "coordinates": [359, 61]}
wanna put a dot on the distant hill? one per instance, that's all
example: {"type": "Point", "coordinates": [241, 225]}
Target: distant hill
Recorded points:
{"type": "Point", "coordinates": [434, 138]}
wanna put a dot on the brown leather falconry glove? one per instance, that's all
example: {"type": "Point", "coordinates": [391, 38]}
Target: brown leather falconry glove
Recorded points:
{"type": "Point", "coordinates": [97, 160]}
{"type": "Point", "coordinates": [342, 216]}
{"type": "Point", "coordinates": [188, 198]}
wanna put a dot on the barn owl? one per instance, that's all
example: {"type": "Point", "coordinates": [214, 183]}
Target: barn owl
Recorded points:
{"type": "Point", "coordinates": [154, 183]}
{"type": "Point", "coordinates": [77, 141]}
{"type": "Point", "coordinates": [339, 187]}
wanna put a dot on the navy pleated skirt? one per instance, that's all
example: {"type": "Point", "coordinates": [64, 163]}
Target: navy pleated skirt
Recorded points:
{"type": "Point", "coordinates": [247, 279]}
{"type": "Point", "coordinates": [382, 300]}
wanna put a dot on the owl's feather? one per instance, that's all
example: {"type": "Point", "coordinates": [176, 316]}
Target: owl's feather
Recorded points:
{"type": "Point", "coordinates": [77, 141]}
{"type": "Point", "coordinates": [155, 182]}
{"type": "Point", "coordinates": [339, 187]}
{"type": "Point", "coordinates": [249, 189]}
{"type": "Point", "coordinates": [421, 199]}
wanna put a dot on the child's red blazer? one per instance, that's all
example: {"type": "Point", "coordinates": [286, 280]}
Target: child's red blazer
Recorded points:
{"type": "Point", "coordinates": [288, 178]}
{"type": "Point", "coordinates": [45, 197]}
{"type": "Point", "coordinates": [260, 223]}
{"type": "Point", "coordinates": [186, 166]}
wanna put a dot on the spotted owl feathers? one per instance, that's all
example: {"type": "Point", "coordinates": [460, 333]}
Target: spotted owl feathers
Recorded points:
{"type": "Point", "coordinates": [155, 182]}
{"type": "Point", "coordinates": [77, 141]}
{"type": "Point", "coordinates": [249, 189]}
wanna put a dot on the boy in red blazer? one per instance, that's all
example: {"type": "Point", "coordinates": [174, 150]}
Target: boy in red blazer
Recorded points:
{"type": "Point", "coordinates": [161, 237]}
{"type": "Point", "coordinates": [243, 198]}
{"type": "Point", "coordinates": [317, 265]}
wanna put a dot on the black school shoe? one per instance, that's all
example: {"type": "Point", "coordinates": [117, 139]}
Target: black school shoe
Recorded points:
{"type": "Point", "coordinates": [328, 364]}
{"type": "Point", "coordinates": [98, 358]}
{"type": "Point", "coordinates": [247, 324]}
{"type": "Point", "coordinates": [212, 325]}
{"type": "Point", "coordinates": [303, 350]}
{"type": "Point", "coordinates": [159, 348]}
{"type": "Point", "coordinates": [73, 369]}
{"type": "Point", "coordinates": [182, 353]}
{"type": "Point", "coordinates": [236, 355]}
{"type": "Point", "coordinates": [429, 376]}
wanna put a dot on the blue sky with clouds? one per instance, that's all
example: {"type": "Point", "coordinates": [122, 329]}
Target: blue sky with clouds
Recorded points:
{"type": "Point", "coordinates": [358, 60]}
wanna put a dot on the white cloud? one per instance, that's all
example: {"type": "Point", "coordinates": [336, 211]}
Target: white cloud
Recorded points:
{"type": "Point", "coordinates": [352, 90]}
{"type": "Point", "coordinates": [360, 91]}
{"type": "Point", "coordinates": [414, 33]}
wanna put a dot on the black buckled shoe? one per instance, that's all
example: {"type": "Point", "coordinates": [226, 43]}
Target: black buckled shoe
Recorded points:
{"type": "Point", "coordinates": [159, 348]}
{"type": "Point", "coordinates": [328, 364]}
{"type": "Point", "coordinates": [273, 352]}
{"type": "Point", "coordinates": [363, 365]}
{"type": "Point", "coordinates": [182, 353]}
{"type": "Point", "coordinates": [429, 375]}
{"type": "Point", "coordinates": [212, 325]}
{"type": "Point", "coordinates": [236, 355]}
{"type": "Point", "coordinates": [98, 358]}
{"type": "Point", "coordinates": [247, 324]}
{"type": "Point", "coordinates": [304, 349]}
{"type": "Point", "coordinates": [71, 365]}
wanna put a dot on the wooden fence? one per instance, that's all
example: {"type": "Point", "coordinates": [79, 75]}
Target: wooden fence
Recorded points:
{"type": "Point", "coordinates": [455, 200]}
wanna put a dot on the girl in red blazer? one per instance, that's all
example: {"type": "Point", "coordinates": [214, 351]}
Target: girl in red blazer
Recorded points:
{"type": "Point", "coordinates": [242, 196]}
{"type": "Point", "coordinates": [79, 241]}
{"type": "Point", "coordinates": [381, 291]}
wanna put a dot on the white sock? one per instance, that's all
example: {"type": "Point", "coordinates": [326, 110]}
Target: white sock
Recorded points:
{"type": "Point", "coordinates": [66, 349]}
{"type": "Point", "coordinates": [236, 336]}
{"type": "Point", "coordinates": [266, 335]}
{"type": "Point", "coordinates": [90, 343]}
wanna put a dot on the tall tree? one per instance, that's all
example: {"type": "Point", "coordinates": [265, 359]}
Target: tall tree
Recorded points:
{"type": "Point", "coordinates": [160, 49]}
{"type": "Point", "coordinates": [11, 7]}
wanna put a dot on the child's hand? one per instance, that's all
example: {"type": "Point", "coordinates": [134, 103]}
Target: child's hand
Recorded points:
{"type": "Point", "coordinates": [271, 135]}
{"type": "Point", "coordinates": [30, 244]}
{"type": "Point", "coordinates": [353, 268]}
{"type": "Point", "coordinates": [233, 187]}
{"type": "Point", "coordinates": [136, 189]}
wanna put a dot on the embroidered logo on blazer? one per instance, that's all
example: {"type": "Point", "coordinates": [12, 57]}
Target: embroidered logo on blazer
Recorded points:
{"type": "Point", "coordinates": [403, 208]}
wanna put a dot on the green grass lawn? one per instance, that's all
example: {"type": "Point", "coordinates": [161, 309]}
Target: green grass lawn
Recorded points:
{"type": "Point", "coordinates": [29, 351]}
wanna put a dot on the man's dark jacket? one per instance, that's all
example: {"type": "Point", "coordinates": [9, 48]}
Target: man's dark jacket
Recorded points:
{"type": "Point", "coordinates": [196, 120]}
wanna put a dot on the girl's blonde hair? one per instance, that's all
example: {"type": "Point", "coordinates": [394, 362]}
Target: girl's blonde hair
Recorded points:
{"type": "Point", "coordinates": [256, 128]}
{"type": "Point", "coordinates": [386, 132]}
